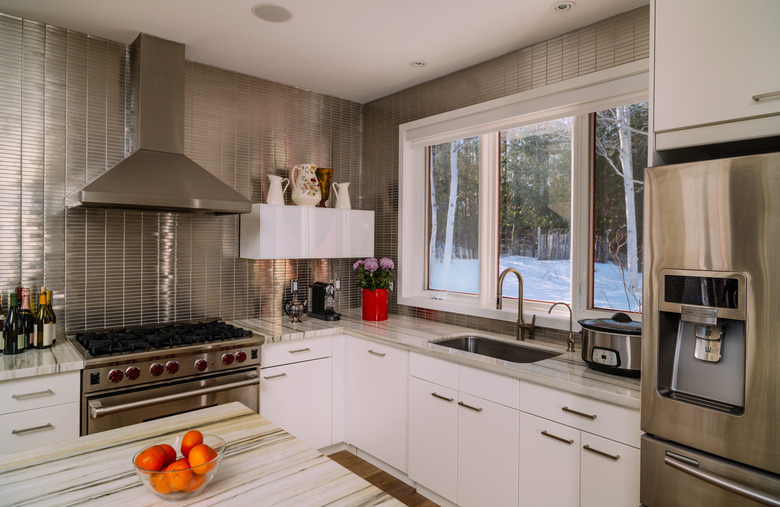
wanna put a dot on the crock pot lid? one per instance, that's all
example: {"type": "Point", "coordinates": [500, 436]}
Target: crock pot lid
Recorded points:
{"type": "Point", "coordinates": [618, 323]}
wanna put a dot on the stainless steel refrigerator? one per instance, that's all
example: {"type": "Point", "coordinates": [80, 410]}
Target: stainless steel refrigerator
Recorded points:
{"type": "Point", "coordinates": [711, 334]}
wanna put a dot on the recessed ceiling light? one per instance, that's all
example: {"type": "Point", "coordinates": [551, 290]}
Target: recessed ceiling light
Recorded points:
{"type": "Point", "coordinates": [417, 63]}
{"type": "Point", "coordinates": [563, 6]}
{"type": "Point", "coordinates": [272, 13]}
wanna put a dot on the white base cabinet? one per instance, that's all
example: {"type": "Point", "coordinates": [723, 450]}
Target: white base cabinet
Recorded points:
{"type": "Point", "coordinates": [378, 383]}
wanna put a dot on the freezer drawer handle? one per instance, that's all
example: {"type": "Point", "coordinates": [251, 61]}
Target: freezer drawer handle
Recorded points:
{"type": "Point", "coordinates": [581, 414]}
{"type": "Point", "coordinates": [96, 408]}
{"type": "Point", "coordinates": [437, 395]}
{"type": "Point", "coordinates": [24, 396]}
{"type": "Point", "coordinates": [280, 375]}
{"type": "Point", "coordinates": [601, 453]}
{"type": "Point", "coordinates": [380, 354]}
{"type": "Point", "coordinates": [722, 482]}
{"type": "Point", "coordinates": [46, 426]}
{"type": "Point", "coordinates": [556, 437]}
{"type": "Point", "coordinates": [475, 409]}
{"type": "Point", "coordinates": [296, 351]}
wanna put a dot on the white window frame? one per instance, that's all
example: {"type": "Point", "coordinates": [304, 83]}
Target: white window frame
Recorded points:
{"type": "Point", "coordinates": [576, 97]}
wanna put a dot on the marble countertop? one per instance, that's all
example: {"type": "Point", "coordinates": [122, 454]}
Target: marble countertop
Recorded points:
{"type": "Point", "coordinates": [567, 371]}
{"type": "Point", "coordinates": [57, 359]}
{"type": "Point", "coordinates": [263, 465]}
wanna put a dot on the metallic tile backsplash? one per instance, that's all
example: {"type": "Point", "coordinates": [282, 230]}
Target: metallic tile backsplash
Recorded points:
{"type": "Point", "coordinates": [63, 104]}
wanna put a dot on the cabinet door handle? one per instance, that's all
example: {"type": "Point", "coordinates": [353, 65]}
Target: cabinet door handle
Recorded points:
{"type": "Point", "coordinates": [581, 414]}
{"type": "Point", "coordinates": [766, 95]}
{"type": "Point", "coordinates": [476, 409]}
{"type": "Point", "coordinates": [307, 349]}
{"type": "Point", "coordinates": [437, 395]}
{"type": "Point", "coordinates": [380, 354]}
{"type": "Point", "coordinates": [601, 453]}
{"type": "Point", "coordinates": [280, 375]}
{"type": "Point", "coordinates": [556, 437]}
{"type": "Point", "coordinates": [46, 426]}
{"type": "Point", "coordinates": [24, 396]}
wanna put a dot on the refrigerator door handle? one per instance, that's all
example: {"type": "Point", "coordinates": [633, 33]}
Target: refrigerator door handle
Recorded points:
{"type": "Point", "coordinates": [722, 482]}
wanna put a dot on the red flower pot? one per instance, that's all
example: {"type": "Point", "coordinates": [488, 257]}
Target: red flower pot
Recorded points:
{"type": "Point", "coordinates": [375, 304]}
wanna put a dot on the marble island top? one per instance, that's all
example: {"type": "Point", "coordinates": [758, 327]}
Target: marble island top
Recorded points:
{"type": "Point", "coordinates": [263, 465]}
{"type": "Point", "coordinates": [57, 359]}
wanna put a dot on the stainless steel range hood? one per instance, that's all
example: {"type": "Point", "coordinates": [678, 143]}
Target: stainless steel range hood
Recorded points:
{"type": "Point", "coordinates": [158, 176]}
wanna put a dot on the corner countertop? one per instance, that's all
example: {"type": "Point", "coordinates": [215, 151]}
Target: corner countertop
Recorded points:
{"type": "Point", "coordinates": [263, 465]}
{"type": "Point", "coordinates": [57, 359]}
{"type": "Point", "coordinates": [567, 371]}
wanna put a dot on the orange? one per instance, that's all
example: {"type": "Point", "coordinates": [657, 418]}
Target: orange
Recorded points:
{"type": "Point", "coordinates": [180, 475]}
{"type": "Point", "coordinates": [152, 458]}
{"type": "Point", "coordinates": [199, 455]}
{"type": "Point", "coordinates": [195, 483]}
{"type": "Point", "coordinates": [170, 454]}
{"type": "Point", "coordinates": [190, 440]}
{"type": "Point", "coordinates": [160, 483]}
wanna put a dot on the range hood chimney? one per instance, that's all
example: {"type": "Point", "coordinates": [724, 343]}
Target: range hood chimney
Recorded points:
{"type": "Point", "coordinates": [158, 176]}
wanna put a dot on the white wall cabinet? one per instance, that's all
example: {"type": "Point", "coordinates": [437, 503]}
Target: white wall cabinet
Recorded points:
{"type": "Point", "coordinates": [296, 388]}
{"type": "Point", "coordinates": [711, 57]}
{"type": "Point", "coordinates": [378, 398]}
{"type": "Point", "coordinates": [39, 410]}
{"type": "Point", "coordinates": [272, 231]}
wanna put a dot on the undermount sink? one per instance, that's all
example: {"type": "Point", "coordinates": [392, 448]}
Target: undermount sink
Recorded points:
{"type": "Point", "coordinates": [506, 351]}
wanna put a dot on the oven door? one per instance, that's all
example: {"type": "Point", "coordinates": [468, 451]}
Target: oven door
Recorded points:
{"type": "Point", "coordinates": [105, 411]}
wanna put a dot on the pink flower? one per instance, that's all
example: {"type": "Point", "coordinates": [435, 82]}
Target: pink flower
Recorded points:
{"type": "Point", "coordinates": [386, 264]}
{"type": "Point", "coordinates": [357, 264]}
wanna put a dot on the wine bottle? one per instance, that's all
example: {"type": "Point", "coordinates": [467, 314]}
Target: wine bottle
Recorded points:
{"type": "Point", "coordinates": [28, 321]}
{"type": "Point", "coordinates": [2, 315]}
{"type": "Point", "coordinates": [13, 331]}
{"type": "Point", "coordinates": [44, 335]}
{"type": "Point", "coordinates": [52, 318]}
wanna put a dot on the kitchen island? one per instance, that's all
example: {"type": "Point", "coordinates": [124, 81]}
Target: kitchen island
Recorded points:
{"type": "Point", "coordinates": [263, 465]}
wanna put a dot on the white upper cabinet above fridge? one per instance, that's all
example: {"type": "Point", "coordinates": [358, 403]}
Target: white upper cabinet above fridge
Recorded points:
{"type": "Point", "coordinates": [716, 72]}
{"type": "Point", "coordinates": [274, 231]}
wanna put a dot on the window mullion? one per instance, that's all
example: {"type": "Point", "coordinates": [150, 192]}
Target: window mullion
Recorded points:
{"type": "Point", "coordinates": [488, 212]}
{"type": "Point", "coordinates": [580, 227]}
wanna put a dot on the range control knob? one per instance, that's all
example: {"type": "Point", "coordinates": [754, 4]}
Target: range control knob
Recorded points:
{"type": "Point", "coordinates": [115, 376]}
{"type": "Point", "coordinates": [156, 369]}
{"type": "Point", "coordinates": [133, 373]}
{"type": "Point", "coordinates": [228, 358]}
{"type": "Point", "coordinates": [240, 356]}
{"type": "Point", "coordinates": [172, 367]}
{"type": "Point", "coordinates": [201, 365]}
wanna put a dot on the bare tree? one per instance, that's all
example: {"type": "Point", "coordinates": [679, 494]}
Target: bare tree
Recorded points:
{"type": "Point", "coordinates": [451, 209]}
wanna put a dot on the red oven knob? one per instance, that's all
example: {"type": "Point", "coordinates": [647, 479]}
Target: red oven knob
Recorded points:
{"type": "Point", "coordinates": [172, 367]}
{"type": "Point", "coordinates": [228, 358]}
{"type": "Point", "coordinates": [133, 373]}
{"type": "Point", "coordinates": [201, 364]}
{"type": "Point", "coordinates": [115, 376]}
{"type": "Point", "coordinates": [240, 356]}
{"type": "Point", "coordinates": [156, 369]}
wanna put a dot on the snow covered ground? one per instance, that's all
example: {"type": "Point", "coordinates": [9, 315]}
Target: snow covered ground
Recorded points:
{"type": "Point", "coordinates": [542, 280]}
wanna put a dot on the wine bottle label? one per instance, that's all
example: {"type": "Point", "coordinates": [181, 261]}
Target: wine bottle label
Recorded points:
{"type": "Point", "coordinates": [48, 335]}
{"type": "Point", "coordinates": [20, 341]}
{"type": "Point", "coordinates": [31, 336]}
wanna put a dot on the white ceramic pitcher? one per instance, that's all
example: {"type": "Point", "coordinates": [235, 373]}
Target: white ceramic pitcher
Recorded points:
{"type": "Point", "coordinates": [306, 188]}
{"type": "Point", "coordinates": [275, 190]}
{"type": "Point", "coordinates": [342, 195]}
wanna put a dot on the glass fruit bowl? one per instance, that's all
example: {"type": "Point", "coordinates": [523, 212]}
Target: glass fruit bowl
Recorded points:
{"type": "Point", "coordinates": [182, 481]}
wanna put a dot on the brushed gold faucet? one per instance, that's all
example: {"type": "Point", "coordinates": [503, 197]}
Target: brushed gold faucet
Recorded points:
{"type": "Point", "coordinates": [522, 328]}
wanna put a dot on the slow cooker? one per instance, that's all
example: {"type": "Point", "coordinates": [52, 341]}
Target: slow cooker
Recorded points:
{"type": "Point", "coordinates": [613, 345]}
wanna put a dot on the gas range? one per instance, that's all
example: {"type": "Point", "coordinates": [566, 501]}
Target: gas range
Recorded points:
{"type": "Point", "coordinates": [129, 357]}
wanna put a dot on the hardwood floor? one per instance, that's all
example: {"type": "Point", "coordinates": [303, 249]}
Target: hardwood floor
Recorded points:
{"type": "Point", "coordinates": [382, 480]}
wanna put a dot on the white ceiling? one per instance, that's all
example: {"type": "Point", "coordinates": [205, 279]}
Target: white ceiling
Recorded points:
{"type": "Point", "coordinates": [354, 49]}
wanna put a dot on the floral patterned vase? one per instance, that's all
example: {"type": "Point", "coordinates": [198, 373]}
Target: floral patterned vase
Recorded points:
{"type": "Point", "coordinates": [375, 304]}
{"type": "Point", "coordinates": [306, 189]}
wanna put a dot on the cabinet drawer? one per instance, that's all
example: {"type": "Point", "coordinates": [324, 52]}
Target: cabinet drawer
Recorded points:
{"type": "Point", "coordinates": [490, 386]}
{"type": "Point", "coordinates": [433, 370]}
{"type": "Point", "coordinates": [595, 416]}
{"type": "Point", "coordinates": [41, 426]}
{"type": "Point", "coordinates": [41, 391]}
{"type": "Point", "coordinates": [295, 351]}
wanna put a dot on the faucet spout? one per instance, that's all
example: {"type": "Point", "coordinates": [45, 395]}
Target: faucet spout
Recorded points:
{"type": "Point", "coordinates": [521, 326]}
{"type": "Point", "coordinates": [570, 339]}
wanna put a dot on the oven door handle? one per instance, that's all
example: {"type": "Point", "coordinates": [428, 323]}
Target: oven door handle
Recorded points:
{"type": "Point", "coordinates": [96, 408]}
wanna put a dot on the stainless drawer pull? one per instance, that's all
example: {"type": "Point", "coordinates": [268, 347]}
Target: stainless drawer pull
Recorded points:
{"type": "Point", "coordinates": [24, 396]}
{"type": "Point", "coordinates": [476, 409]}
{"type": "Point", "coordinates": [437, 395]}
{"type": "Point", "coordinates": [280, 375]}
{"type": "Point", "coordinates": [766, 95]}
{"type": "Point", "coordinates": [556, 437]}
{"type": "Point", "coordinates": [601, 453]}
{"type": "Point", "coordinates": [47, 426]}
{"type": "Point", "coordinates": [307, 349]}
{"type": "Point", "coordinates": [581, 414]}
{"type": "Point", "coordinates": [380, 354]}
